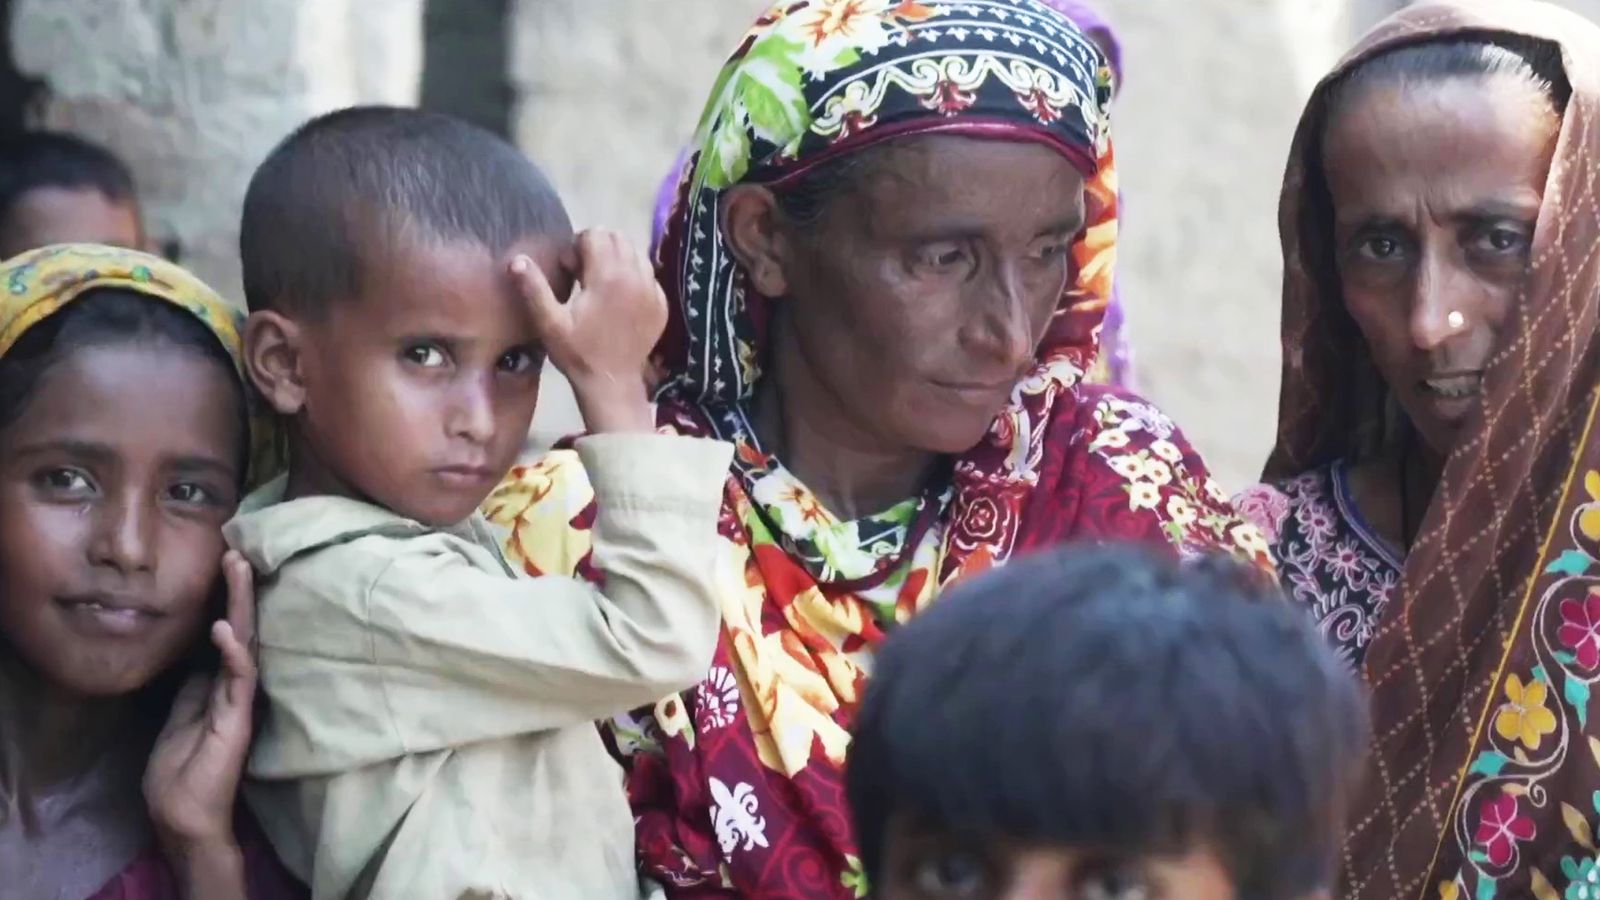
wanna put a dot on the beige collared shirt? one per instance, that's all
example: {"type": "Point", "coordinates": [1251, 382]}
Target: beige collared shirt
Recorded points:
{"type": "Point", "coordinates": [430, 729]}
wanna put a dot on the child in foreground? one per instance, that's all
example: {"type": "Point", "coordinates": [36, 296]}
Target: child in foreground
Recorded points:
{"type": "Point", "coordinates": [431, 716]}
{"type": "Point", "coordinates": [1105, 724]}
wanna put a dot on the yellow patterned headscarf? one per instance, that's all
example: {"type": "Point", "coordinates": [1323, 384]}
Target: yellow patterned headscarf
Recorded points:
{"type": "Point", "coordinates": [39, 283]}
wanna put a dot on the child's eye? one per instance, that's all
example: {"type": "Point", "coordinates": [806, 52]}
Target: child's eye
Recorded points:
{"type": "Point", "coordinates": [427, 356]}
{"type": "Point", "coordinates": [65, 481]}
{"type": "Point", "coordinates": [191, 494]}
{"type": "Point", "coordinates": [952, 874]}
{"type": "Point", "coordinates": [1113, 880]}
{"type": "Point", "coordinates": [518, 362]}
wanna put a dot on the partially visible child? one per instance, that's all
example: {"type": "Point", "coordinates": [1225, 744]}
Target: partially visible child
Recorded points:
{"type": "Point", "coordinates": [431, 726]}
{"type": "Point", "coordinates": [1106, 724]}
{"type": "Point", "coordinates": [125, 438]}
{"type": "Point", "coordinates": [56, 188]}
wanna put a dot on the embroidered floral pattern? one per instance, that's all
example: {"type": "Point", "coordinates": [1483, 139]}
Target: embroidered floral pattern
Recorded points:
{"type": "Point", "coordinates": [1328, 558]}
{"type": "Point", "coordinates": [1501, 826]}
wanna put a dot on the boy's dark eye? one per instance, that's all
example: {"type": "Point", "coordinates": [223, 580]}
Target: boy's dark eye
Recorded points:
{"type": "Point", "coordinates": [518, 362]}
{"type": "Point", "coordinates": [1110, 879]}
{"type": "Point", "coordinates": [955, 873]}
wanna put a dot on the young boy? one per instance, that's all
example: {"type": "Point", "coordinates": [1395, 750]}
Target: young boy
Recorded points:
{"type": "Point", "coordinates": [1105, 724]}
{"type": "Point", "coordinates": [430, 731]}
{"type": "Point", "coordinates": [57, 189]}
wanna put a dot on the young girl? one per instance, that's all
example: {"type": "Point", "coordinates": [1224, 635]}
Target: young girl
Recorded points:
{"type": "Point", "coordinates": [126, 438]}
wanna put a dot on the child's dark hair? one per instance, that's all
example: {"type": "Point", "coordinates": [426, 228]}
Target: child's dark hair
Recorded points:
{"type": "Point", "coordinates": [48, 159]}
{"type": "Point", "coordinates": [1112, 699]}
{"type": "Point", "coordinates": [342, 187]}
{"type": "Point", "coordinates": [102, 317]}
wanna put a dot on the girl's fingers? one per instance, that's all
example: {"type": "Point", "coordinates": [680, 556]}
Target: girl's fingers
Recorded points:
{"type": "Point", "coordinates": [241, 597]}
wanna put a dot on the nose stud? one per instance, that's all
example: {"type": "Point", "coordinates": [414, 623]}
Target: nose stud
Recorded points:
{"type": "Point", "coordinates": [1455, 320]}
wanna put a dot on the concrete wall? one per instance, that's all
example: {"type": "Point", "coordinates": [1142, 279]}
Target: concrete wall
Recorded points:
{"type": "Point", "coordinates": [193, 93]}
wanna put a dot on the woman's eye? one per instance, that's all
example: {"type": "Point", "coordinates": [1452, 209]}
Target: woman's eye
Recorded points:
{"type": "Point", "coordinates": [1053, 251]}
{"type": "Point", "coordinates": [1505, 240]}
{"type": "Point", "coordinates": [1379, 247]}
{"type": "Point", "coordinates": [517, 362]}
{"type": "Point", "coordinates": [955, 874]}
{"type": "Point", "coordinates": [426, 355]}
{"type": "Point", "coordinates": [65, 481]}
{"type": "Point", "coordinates": [943, 256]}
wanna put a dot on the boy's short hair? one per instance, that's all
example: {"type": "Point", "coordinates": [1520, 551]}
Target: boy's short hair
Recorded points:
{"type": "Point", "coordinates": [345, 185]}
{"type": "Point", "coordinates": [52, 159]}
{"type": "Point", "coordinates": [1112, 699]}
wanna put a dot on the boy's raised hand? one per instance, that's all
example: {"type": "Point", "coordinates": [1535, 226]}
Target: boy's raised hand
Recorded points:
{"type": "Point", "coordinates": [602, 337]}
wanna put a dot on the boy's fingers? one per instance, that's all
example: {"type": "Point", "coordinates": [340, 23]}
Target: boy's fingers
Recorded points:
{"type": "Point", "coordinates": [542, 303]}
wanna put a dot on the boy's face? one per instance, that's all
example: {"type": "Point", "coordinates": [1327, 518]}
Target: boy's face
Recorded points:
{"type": "Point", "coordinates": [58, 215]}
{"type": "Point", "coordinates": [922, 863]}
{"type": "Point", "coordinates": [418, 393]}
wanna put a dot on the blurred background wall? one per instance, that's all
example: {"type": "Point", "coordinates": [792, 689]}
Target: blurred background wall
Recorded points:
{"type": "Point", "coordinates": [193, 93]}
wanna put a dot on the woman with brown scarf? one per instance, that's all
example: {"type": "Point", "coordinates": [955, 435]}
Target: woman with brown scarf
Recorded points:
{"type": "Point", "coordinates": [1441, 378]}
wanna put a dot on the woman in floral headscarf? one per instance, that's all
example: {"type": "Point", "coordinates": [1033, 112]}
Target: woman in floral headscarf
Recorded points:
{"type": "Point", "coordinates": [1114, 365]}
{"type": "Point", "coordinates": [887, 266]}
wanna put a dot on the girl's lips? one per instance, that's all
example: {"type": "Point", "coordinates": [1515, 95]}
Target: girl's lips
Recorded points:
{"type": "Point", "coordinates": [107, 616]}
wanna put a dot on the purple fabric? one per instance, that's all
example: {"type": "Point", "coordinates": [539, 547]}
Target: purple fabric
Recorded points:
{"type": "Point", "coordinates": [1096, 26]}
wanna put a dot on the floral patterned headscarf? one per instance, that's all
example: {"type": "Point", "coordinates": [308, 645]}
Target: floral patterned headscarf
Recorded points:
{"type": "Point", "coordinates": [39, 283]}
{"type": "Point", "coordinates": [736, 784]}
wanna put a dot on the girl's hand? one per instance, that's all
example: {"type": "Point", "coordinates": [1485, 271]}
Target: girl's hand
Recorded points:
{"type": "Point", "coordinates": [193, 775]}
{"type": "Point", "coordinates": [600, 339]}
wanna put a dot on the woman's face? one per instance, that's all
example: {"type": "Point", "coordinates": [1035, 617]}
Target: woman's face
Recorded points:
{"type": "Point", "coordinates": [1435, 188]}
{"type": "Point", "coordinates": [918, 300]}
{"type": "Point", "coordinates": [115, 482]}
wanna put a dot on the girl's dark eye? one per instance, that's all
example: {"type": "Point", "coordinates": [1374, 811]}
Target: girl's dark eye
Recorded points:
{"type": "Point", "coordinates": [191, 493]}
{"type": "Point", "coordinates": [65, 481]}
{"type": "Point", "coordinates": [425, 355]}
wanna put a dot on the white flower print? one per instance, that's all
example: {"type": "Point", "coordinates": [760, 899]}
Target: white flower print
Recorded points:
{"type": "Point", "coordinates": [719, 698]}
{"type": "Point", "coordinates": [1158, 472]}
{"type": "Point", "coordinates": [733, 814]}
{"type": "Point", "coordinates": [1167, 450]}
{"type": "Point", "coordinates": [1180, 511]}
{"type": "Point", "coordinates": [1144, 496]}
{"type": "Point", "coordinates": [1129, 467]}
{"type": "Point", "coordinates": [1110, 439]}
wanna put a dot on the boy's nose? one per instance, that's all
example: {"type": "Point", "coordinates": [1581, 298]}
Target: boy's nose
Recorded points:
{"type": "Point", "coordinates": [472, 413]}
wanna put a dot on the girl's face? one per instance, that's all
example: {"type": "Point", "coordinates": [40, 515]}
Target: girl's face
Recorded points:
{"type": "Point", "coordinates": [115, 482]}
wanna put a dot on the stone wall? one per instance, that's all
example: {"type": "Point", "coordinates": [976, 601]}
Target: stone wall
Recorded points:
{"type": "Point", "coordinates": [193, 93]}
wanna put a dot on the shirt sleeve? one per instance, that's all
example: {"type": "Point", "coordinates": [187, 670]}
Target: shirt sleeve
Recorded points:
{"type": "Point", "coordinates": [455, 654]}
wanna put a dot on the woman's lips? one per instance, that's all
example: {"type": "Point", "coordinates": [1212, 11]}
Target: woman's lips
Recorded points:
{"type": "Point", "coordinates": [1454, 385]}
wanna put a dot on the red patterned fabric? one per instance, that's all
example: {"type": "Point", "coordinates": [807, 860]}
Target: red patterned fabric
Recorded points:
{"type": "Point", "coordinates": [737, 783]}
{"type": "Point", "coordinates": [150, 878]}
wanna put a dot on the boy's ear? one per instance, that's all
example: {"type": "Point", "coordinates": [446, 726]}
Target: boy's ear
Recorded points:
{"type": "Point", "coordinates": [272, 356]}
